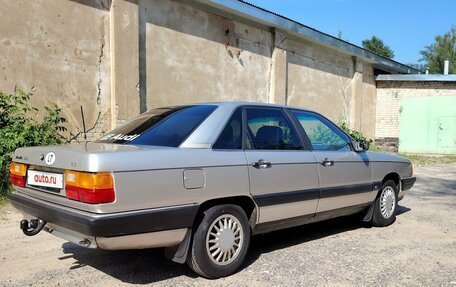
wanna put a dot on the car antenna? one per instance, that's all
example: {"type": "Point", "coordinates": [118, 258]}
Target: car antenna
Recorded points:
{"type": "Point", "coordinates": [83, 125]}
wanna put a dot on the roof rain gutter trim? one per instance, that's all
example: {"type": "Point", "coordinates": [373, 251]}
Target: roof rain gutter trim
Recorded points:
{"type": "Point", "coordinates": [252, 13]}
{"type": "Point", "coordinates": [417, 78]}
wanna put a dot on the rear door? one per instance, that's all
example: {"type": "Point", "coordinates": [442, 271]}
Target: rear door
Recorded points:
{"type": "Point", "coordinates": [283, 174]}
{"type": "Point", "coordinates": [345, 175]}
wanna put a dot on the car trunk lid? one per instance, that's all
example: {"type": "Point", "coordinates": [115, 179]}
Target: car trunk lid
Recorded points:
{"type": "Point", "coordinates": [46, 167]}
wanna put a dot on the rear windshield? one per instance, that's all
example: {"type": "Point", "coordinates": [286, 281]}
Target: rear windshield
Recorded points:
{"type": "Point", "coordinates": [160, 127]}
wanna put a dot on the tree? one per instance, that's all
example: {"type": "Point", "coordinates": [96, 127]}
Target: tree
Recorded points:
{"type": "Point", "coordinates": [339, 34]}
{"type": "Point", "coordinates": [444, 48]}
{"type": "Point", "coordinates": [377, 46]}
{"type": "Point", "coordinates": [420, 67]}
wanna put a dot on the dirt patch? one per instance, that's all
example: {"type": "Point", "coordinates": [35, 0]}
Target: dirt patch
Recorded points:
{"type": "Point", "coordinates": [419, 249]}
{"type": "Point", "coordinates": [424, 160]}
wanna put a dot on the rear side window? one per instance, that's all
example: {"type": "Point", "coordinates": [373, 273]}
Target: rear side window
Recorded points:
{"type": "Point", "coordinates": [160, 127]}
{"type": "Point", "coordinates": [231, 136]}
{"type": "Point", "coordinates": [270, 129]}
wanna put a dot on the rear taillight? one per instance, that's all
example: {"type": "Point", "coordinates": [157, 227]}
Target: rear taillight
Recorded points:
{"type": "Point", "coordinates": [18, 172]}
{"type": "Point", "coordinates": [89, 187]}
{"type": "Point", "coordinates": [411, 169]}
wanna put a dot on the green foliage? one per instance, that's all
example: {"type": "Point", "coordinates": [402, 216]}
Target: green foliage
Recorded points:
{"type": "Point", "coordinates": [444, 48]}
{"type": "Point", "coordinates": [418, 66]}
{"type": "Point", "coordinates": [377, 46]}
{"type": "Point", "coordinates": [339, 34]}
{"type": "Point", "coordinates": [356, 135]}
{"type": "Point", "coordinates": [19, 127]}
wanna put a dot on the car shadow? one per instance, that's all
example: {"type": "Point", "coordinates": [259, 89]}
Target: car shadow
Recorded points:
{"type": "Point", "coordinates": [130, 266]}
{"type": "Point", "coordinates": [402, 209]}
{"type": "Point", "coordinates": [150, 265]}
{"type": "Point", "coordinates": [285, 238]}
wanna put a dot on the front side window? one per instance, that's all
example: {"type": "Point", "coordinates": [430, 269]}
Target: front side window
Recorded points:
{"type": "Point", "coordinates": [270, 129]}
{"type": "Point", "coordinates": [160, 127]}
{"type": "Point", "coordinates": [322, 134]}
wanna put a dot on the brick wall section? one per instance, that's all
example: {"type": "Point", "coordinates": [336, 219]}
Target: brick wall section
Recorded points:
{"type": "Point", "coordinates": [387, 144]}
{"type": "Point", "coordinates": [389, 94]}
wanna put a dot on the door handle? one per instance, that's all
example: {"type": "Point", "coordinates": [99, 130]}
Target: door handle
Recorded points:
{"type": "Point", "coordinates": [262, 164]}
{"type": "Point", "coordinates": [327, 162]}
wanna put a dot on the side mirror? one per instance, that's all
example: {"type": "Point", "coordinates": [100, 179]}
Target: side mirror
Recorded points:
{"type": "Point", "coordinates": [361, 146]}
{"type": "Point", "coordinates": [365, 145]}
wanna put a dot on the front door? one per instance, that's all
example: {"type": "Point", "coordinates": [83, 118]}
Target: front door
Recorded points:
{"type": "Point", "coordinates": [283, 175]}
{"type": "Point", "coordinates": [345, 175]}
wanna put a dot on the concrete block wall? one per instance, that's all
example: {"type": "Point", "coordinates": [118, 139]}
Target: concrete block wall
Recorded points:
{"type": "Point", "coordinates": [60, 51]}
{"type": "Point", "coordinates": [118, 58]}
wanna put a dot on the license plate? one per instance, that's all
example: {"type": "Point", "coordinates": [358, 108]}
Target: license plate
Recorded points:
{"type": "Point", "coordinates": [46, 179]}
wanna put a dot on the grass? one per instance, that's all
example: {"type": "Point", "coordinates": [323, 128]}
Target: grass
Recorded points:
{"type": "Point", "coordinates": [3, 207]}
{"type": "Point", "coordinates": [373, 147]}
{"type": "Point", "coordinates": [3, 200]}
{"type": "Point", "coordinates": [427, 159]}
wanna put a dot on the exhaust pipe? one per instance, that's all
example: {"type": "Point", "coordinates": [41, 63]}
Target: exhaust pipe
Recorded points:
{"type": "Point", "coordinates": [33, 227]}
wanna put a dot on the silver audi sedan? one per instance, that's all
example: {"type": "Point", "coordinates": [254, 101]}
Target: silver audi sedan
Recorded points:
{"type": "Point", "coordinates": [201, 179]}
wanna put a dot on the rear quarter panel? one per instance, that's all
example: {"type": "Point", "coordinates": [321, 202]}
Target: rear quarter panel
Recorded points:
{"type": "Point", "coordinates": [162, 183]}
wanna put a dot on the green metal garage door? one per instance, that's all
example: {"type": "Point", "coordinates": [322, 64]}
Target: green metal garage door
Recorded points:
{"type": "Point", "coordinates": [428, 125]}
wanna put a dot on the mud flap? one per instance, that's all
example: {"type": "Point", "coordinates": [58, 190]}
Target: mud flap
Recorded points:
{"type": "Point", "coordinates": [369, 213]}
{"type": "Point", "coordinates": [179, 253]}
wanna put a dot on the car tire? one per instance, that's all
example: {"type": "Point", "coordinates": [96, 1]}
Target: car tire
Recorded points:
{"type": "Point", "coordinates": [220, 242]}
{"type": "Point", "coordinates": [385, 205]}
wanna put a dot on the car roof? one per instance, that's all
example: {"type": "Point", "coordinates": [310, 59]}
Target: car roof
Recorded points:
{"type": "Point", "coordinates": [235, 104]}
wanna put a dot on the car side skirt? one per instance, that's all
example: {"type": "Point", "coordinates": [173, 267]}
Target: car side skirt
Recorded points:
{"type": "Point", "coordinates": [306, 219]}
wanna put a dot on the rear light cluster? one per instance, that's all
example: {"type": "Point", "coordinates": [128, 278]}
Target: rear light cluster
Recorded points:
{"type": "Point", "coordinates": [18, 172]}
{"type": "Point", "coordinates": [89, 187]}
{"type": "Point", "coordinates": [411, 169]}
{"type": "Point", "coordinates": [80, 186]}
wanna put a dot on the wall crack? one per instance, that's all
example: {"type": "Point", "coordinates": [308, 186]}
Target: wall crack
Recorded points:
{"type": "Point", "coordinates": [100, 64]}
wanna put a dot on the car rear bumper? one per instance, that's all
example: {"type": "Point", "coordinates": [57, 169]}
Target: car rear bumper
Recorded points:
{"type": "Point", "coordinates": [161, 226]}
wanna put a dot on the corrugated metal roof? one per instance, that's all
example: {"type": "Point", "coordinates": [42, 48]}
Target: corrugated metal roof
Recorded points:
{"type": "Point", "coordinates": [417, 78]}
{"type": "Point", "coordinates": [256, 14]}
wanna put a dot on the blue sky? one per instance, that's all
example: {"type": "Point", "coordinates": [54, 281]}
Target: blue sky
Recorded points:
{"type": "Point", "coordinates": [405, 25]}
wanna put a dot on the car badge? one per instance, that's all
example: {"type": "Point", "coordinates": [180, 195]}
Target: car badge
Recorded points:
{"type": "Point", "coordinates": [49, 159]}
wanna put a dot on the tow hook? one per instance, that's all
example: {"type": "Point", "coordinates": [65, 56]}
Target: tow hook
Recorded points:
{"type": "Point", "coordinates": [33, 227]}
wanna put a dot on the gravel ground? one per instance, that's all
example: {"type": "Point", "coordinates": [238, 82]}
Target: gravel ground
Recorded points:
{"type": "Point", "coordinates": [419, 249]}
